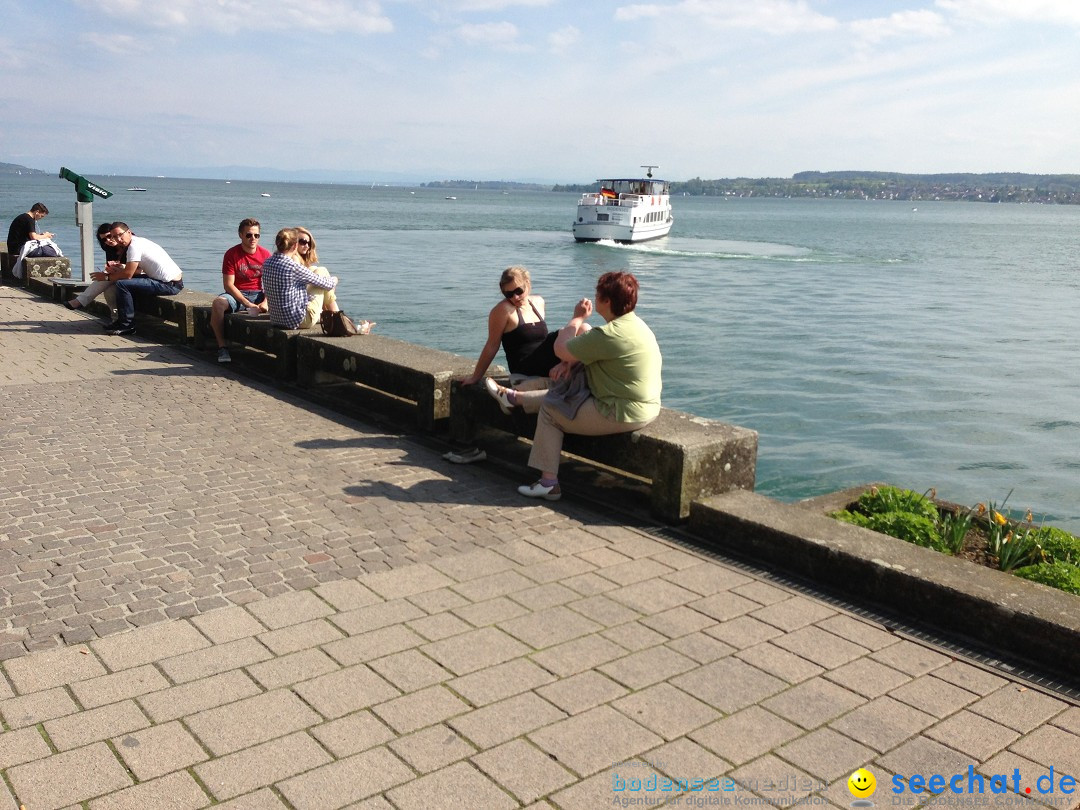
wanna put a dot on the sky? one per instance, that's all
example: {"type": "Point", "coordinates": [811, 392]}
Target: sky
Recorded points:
{"type": "Point", "coordinates": [541, 90]}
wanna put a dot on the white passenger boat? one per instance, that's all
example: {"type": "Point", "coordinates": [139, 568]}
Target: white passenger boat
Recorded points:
{"type": "Point", "coordinates": [625, 210]}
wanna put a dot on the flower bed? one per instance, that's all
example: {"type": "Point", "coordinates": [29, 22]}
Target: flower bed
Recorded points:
{"type": "Point", "coordinates": [981, 534]}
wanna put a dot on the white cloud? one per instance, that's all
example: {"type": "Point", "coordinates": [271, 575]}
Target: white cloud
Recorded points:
{"type": "Point", "coordinates": [114, 43]}
{"type": "Point", "coordinates": [491, 5]}
{"type": "Point", "coordinates": [358, 16]}
{"type": "Point", "coordinates": [564, 39]}
{"type": "Point", "coordinates": [768, 16]}
{"type": "Point", "coordinates": [496, 35]}
{"type": "Point", "coordinates": [923, 24]}
{"type": "Point", "coordinates": [1061, 12]}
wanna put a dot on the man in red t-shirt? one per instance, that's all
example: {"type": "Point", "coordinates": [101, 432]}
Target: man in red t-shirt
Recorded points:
{"type": "Point", "coordinates": [241, 271]}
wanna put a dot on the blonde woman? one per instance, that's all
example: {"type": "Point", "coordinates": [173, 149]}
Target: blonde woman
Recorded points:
{"type": "Point", "coordinates": [322, 300]}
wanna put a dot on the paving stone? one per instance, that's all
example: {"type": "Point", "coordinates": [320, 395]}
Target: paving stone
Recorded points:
{"type": "Point", "coordinates": [746, 735]}
{"type": "Point", "coordinates": [491, 611]}
{"type": "Point", "coordinates": [578, 655]}
{"type": "Point", "coordinates": [53, 668]}
{"type": "Point", "coordinates": [406, 581]}
{"type": "Point", "coordinates": [594, 740]}
{"type": "Point", "coordinates": [501, 681]}
{"type": "Point", "coordinates": [433, 748]}
{"type": "Point", "coordinates": [883, 723]}
{"type": "Point", "coordinates": [374, 644]}
{"type": "Point", "coordinates": [1052, 746]}
{"type": "Point", "coordinates": [290, 608]}
{"type": "Point", "coordinates": [77, 730]}
{"type": "Point", "coordinates": [1069, 720]}
{"type": "Point", "coordinates": [781, 663]}
{"type": "Point", "coordinates": [345, 691]}
{"type": "Point", "coordinates": [301, 636]}
{"type": "Point", "coordinates": [677, 622]}
{"type": "Point", "coordinates": [970, 677]}
{"type": "Point", "coordinates": [523, 770]}
{"type": "Point", "coordinates": [410, 670]}
{"type": "Point", "coordinates": [793, 613]}
{"type": "Point", "coordinates": [228, 624]}
{"type": "Point", "coordinates": [152, 752]}
{"type": "Point", "coordinates": [729, 684]}
{"type": "Point", "coordinates": [293, 668]}
{"type": "Point", "coordinates": [1014, 706]}
{"type": "Point", "coordinates": [865, 633]}
{"type": "Point", "coordinates": [652, 596]}
{"type": "Point", "coordinates": [762, 592]}
{"type": "Point", "coordinates": [867, 677]}
{"type": "Point", "coordinates": [259, 800]}
{"type": "Point", "coordinates": [604, 557]}
{"type": "Point", "coordinates": [36, 707]}
{"type": "Point", "coordinates": [973, 735]}
{"type": "Point", "coordinates": [178, 790]}
{"type": "Point", "coordinates": [346, 780]}
{"type": "Point", "coordinates": [602, 610]}
{"type": "Point", "coordinates": [933, 696]}
{"type": "Point", "coordinates": [440, 626]}
{"type": "Point", "coordinates": [346, 594]}
{"type": "Point", "coordinates": [589, 584]}
{"type": "Point", "coordinates": [650, 666]}
{"type": "Point", "coordinates": [214, 660]}
{"type": "Point", "coordinates": [665, 710]}
{"type": "Point", "coordinates": [813, 703]}
{"type": "Point", "coordinates": [583, 691]}
{"type": "Point", "coordinates": [700, 647]}
{"type": "Point", "coordinates": [498, 722]}
{"type": "Point", "coordinates": [68, 778]}
{"type": "Point", "coordinates": [632, 571]}
{"type": "Point", "coordinates": [148, 644]}
{"type": "Point", "coordinates": [723, 606]}
{"type": "Point", "coordinates": [475, 650]}
{"type": "Point", "coordinates": [549, 627]}
{"type": "Point", "coordinates": [372, 617]}
{"type": "Point", "coordinates": [492, 586]}
{"type": "Point", "coordinates": [924, 756]}
{"type": "Point", "coordinates": [265, 764]}
{"type": "Point", "coordinates": [677, 559]}
{"type": "Point", "coordinates": [414, 711]}
{"type": "Point", "coordinates": [772, 779]}
{"type": "Point", "coordinates": [128, 683]}
{"type": "Point", "coordinates": [826, 754]}
{"type": "Point", "coordinates": [634, 636]}
{"type": "Point", "coordinates": [352, 734]}
{"type": "Point", "coordinates": [471, 565]}
{"type": "Point", "coordinates": [826, 649]}
{"type": "Point", "coordinates": [22, 745]}
{"type": "Point", "coordinates": [217, 690]}
{"type": "Point", "coordinates": [743, 631]}
{"type": "Point", "coordinates": [558, 569]}
{"type": "Point", "coordinates": [616, 785]}
{"type": "Point", "coordinates": [683, 760]}
{"type": "Point", "coordinates": [460, 785]}
{"type": "Point", "coordinates": [251, 721]}
{"type": "Point", "coordinates": [999, 773]}
{"type": "Point", "coordinates": [914, 659]}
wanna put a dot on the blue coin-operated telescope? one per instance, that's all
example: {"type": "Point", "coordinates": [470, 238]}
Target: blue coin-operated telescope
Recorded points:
{"type": "Point", "coordinates": [84, 215]}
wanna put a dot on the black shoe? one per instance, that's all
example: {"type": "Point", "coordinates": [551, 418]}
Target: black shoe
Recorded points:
{"type": "Point", "coordinates": [68, 304]}
{"type": "Point", "coordinates": [122, 330]}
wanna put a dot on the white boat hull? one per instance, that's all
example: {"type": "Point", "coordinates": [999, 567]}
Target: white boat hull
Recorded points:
{"type": "Point", "coordinates": [624, 210]}
{"type": "Point", "coordinates": [588, 228]}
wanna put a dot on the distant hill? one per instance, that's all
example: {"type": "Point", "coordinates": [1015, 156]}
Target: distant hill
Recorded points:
{"type": "Point", "coordinates": [15, 168]}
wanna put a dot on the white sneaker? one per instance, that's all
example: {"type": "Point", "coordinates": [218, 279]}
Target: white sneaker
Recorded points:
{"type": "Point", "coordinates": [538, 490]}
{"type": "Point", "coordinates": [223, 355]}
{"type": "Point", "coordinates": [498, 393]}
{"type": "Point", "coordinates": [465, 456]}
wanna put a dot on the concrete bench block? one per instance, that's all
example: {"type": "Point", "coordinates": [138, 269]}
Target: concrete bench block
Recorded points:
{"type": "Point", "coordinates": [43, 268]}
{"type": "Point", "coordinates": [178, 309]}
{"type": "Point", "coordinates": [256, 332]}
{"type": "Point", "coordinates": [390, 366]}
{"type": "Point", "coordinates": [685, 457]}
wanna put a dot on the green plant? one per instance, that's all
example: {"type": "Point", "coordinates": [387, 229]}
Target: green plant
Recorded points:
{"type": "Point", "coordinates": [1060, 575]}
{"type": "Point", "coordinates": [882, 500]}
{"type": "Point", "coordinates": [1058, 545]}
{"type": "Point", "coordinates": [914, 528]}
{"type": "Point", "coordinates": [855, 518]}
{"type": "Point", "coordinates": [953, 528]}
{"type": "Point", "coordinates": [1018, 548]}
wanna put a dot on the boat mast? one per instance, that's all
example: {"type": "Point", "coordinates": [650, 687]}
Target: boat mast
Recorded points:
{"type": "Point", "coordinates": [648, 170]}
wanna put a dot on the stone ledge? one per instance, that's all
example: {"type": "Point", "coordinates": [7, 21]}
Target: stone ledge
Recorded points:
{"type": "Point", "coordinates": [1001, 611]}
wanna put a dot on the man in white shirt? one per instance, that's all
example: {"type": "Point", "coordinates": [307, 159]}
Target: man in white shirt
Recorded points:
{"type": "Point", "coordinates": [161, 276]}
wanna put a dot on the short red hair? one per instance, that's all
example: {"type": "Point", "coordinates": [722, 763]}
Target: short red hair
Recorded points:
{"type": "Point", "coordinates": [620, 290]}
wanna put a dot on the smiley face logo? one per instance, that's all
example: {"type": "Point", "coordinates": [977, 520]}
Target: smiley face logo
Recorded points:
{"type": "Point", "coordinates": [862, 784]}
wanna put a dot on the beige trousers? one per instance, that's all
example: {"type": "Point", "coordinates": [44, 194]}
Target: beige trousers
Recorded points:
{"type": "Point", "coordinates": [552, 425]}
{"type": "Point", "coordinates": [95, 289]}
{"type": "Point", "coordinates": [318, 300]}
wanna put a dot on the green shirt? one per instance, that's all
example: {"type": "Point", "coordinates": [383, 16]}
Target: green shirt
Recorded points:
{"type": "Point", "coordinates": [622, 363]}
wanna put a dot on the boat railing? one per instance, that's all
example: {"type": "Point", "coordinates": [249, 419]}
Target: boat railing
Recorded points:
{"type": "Point", "coordinates": [623, 200]}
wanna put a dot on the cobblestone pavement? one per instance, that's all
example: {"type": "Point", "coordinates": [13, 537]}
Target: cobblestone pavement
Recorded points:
{"type": "Point", "coordinates": [233, 598]}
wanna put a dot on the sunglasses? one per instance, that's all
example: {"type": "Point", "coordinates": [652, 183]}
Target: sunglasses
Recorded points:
{"type": "Point", "coordinates": [252, 235]}
{"type": "Point", "coordinates": [514, 292]}
{"type": "Point", "coordinates": [303, 241]}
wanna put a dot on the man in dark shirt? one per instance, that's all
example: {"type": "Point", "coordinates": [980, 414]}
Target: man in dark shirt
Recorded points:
{"type": "Point", "coordinates": [24, 228]}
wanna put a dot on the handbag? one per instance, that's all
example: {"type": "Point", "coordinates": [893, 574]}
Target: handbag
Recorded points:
{"type": "Point", "coordinates": [337, 324]}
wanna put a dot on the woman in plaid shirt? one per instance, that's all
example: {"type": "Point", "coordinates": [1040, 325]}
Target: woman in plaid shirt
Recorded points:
{"type": "Point", "coordinates": [285, 281]}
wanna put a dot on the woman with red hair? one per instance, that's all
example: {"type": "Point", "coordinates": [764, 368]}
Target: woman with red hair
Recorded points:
{"type": "Point", "coordinates": [609, 380]}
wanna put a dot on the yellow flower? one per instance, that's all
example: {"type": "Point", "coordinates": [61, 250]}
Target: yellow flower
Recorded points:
{"type": "Point", "coordinates": [999, 518]}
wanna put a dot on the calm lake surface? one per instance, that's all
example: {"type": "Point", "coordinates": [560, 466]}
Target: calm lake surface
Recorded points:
{"type": "Point", "coordinates": [930, 347]}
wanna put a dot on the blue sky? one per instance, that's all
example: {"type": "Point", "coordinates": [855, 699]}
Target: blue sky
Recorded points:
{"type": "Point", "coordinates": [548, 90]}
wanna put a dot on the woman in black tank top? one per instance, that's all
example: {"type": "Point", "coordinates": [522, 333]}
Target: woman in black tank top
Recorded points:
{"type": "Point", "coordinates": [517, 324]}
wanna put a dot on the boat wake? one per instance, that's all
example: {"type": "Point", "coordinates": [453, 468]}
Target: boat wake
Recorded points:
{"type": "Point", "coordinates": [730, 250]}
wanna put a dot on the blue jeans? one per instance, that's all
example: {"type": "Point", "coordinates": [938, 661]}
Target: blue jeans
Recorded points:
{"type": "Point", "coordinates": [127, 288]}
{"type": "Point", "coordinates": [254, 296]}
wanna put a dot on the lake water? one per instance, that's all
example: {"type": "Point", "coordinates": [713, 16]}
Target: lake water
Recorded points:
{"type": "Point", "coordinates": [930, 347]}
